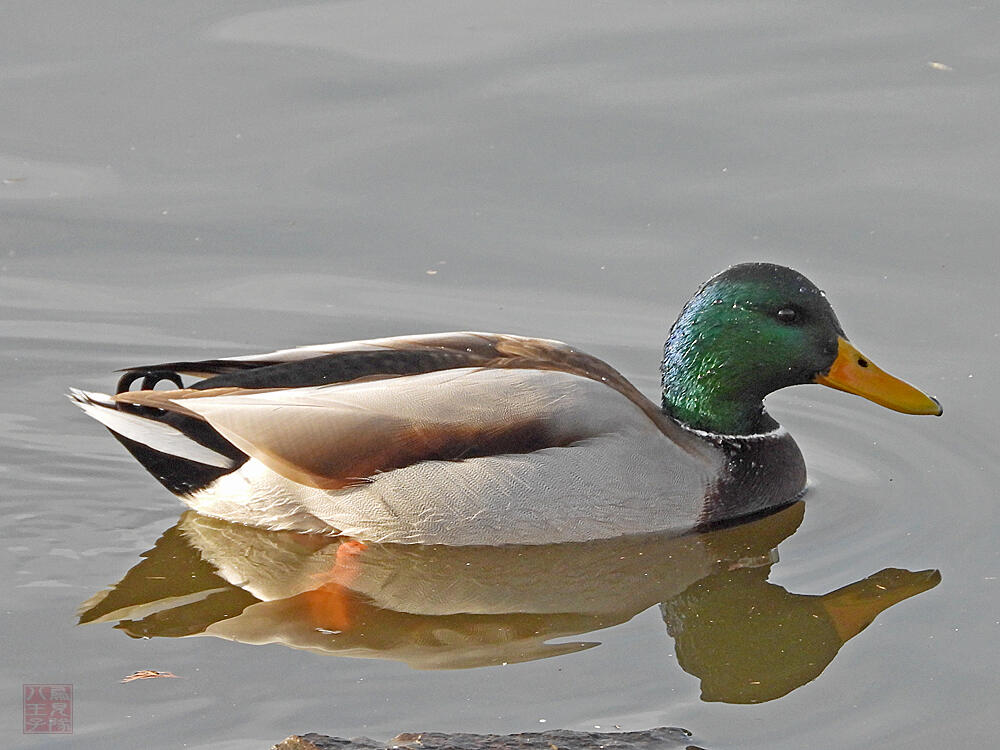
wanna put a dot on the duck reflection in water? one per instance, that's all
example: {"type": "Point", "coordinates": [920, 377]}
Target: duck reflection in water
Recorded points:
{"type": "Point", "coordinates": [439, 607]}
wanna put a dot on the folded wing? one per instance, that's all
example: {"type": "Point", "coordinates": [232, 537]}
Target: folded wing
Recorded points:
{"type": "Point", "coordinates": [337, 436]}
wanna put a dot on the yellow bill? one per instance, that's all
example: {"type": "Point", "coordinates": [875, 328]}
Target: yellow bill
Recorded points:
{"type": "Point", "coordinates": [854, 373]}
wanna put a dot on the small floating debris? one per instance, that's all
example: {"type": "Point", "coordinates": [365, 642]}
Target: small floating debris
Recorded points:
{"type": "Point", "coordinates": [149, 674]}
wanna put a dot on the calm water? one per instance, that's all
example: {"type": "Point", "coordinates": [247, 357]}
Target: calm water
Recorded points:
{"type": "Point", "coordinates": [182, 182]}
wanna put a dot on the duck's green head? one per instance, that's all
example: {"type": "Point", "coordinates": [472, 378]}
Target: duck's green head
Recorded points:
{"type": "Point", "coordinates": [753, 329]}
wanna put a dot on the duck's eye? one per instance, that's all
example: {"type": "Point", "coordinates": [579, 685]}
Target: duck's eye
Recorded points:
{"type": "Point", "coordinates": [787, 315]}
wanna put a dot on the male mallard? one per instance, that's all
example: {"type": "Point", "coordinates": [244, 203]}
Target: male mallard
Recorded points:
{"type": "Point", "coordinates": [477, 438]}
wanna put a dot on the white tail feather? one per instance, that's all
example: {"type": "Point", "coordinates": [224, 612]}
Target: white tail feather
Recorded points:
{"type": "Point", "coordinates": [156, 435]}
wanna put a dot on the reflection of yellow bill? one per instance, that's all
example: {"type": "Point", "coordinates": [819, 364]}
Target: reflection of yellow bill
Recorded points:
{"type": "Point", "coordinates": [853, 372]}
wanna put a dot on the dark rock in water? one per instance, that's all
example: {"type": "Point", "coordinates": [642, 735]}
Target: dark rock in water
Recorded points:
{"type": "Point", "coordinates": [558, 739]}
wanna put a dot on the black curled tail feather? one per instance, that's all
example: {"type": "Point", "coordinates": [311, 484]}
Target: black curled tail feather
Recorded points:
{"type": "Point", "coordinates": [149, 379]}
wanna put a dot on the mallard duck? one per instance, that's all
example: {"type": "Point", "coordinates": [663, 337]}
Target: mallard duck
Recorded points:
{"type": "Point", "coordinates": [480, 438]}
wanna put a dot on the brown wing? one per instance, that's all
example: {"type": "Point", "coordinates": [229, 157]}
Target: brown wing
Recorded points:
{"type": "Point", "coordinates": [302, 416]}
{"type": "Point", "coordinates": [402, 355]}
{"type": "Point", "coordinates": [335, 436]}
{"type": "Point", "coordinates": [342, 361]}
{"type": "Point", "coordinates": [324, 364]}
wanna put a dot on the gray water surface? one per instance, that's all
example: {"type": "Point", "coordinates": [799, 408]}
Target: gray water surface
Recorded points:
{"type": "Point", "coordinates": [182, 181]}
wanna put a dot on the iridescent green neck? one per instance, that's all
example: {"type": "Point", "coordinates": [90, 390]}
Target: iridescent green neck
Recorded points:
{"type": "Point", "coordinates": [699, 392]}
{"type": "Point", "coordinates": [716, 367]}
